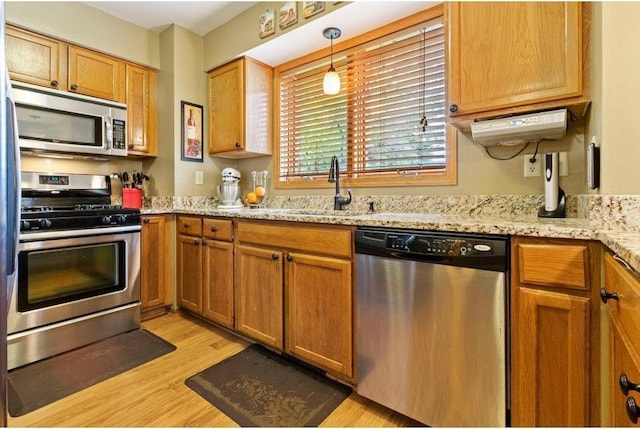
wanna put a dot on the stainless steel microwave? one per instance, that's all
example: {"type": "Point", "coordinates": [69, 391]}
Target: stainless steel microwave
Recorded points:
{"type": "Point", "coordinates": [64, 122]}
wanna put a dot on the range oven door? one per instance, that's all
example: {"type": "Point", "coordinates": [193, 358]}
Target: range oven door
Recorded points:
{"type": "Point", "coordinates": [64, 278]}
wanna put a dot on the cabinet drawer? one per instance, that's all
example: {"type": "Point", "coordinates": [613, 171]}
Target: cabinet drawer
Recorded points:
{"type": "Point", "coordinates": [189, 225]}
{"type": "Point", "coordinates": [626, 310]}
{"type": "Point", "coordinates": [218, 229]}
{"type": "Point", "coordinates": [324, 240]}
{"type": "Point", "coordinates": [554, 265]}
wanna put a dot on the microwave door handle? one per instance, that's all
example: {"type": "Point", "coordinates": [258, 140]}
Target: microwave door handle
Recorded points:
{"type": "Point", "coordinates": [108, 132]}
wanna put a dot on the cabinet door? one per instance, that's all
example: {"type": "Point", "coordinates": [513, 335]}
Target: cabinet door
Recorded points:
{"type": "Point", "coordinates": [319, 311]}
{"type": "Point", "coordinates": [97, 75]}
{"type": "Point", "coordinates": [624, 361]}
{"type": "Point", "coordinates": [190, 273]}
{"type": "Point", "coordinates": [259, 294]}
{"type": "Point", "coordinates": [218, 282]}
{"type": "Point", "coordinates": [550, 365]}
{"type": "Point", "coordinates": [152, 265]}
{"type": "Point", "coordinates": [142, 119]}
{"type": "Point", "coordinates": [226, 108]}
{"type": "Point", "coordinates": [506, 54]}
{"type": "Point", "coordinates": [36, 59]}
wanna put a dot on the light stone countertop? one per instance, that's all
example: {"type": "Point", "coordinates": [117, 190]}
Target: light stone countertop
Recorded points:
{"type": "Point", "coordinates": [624, 243]}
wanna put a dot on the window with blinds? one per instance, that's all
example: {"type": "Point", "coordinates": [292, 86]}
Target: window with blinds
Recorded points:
{"type": "Point", "coordinates": [387, 124]}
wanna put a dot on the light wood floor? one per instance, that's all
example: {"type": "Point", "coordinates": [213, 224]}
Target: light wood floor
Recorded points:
{"type": "Point", "coordinates": [154, 394]}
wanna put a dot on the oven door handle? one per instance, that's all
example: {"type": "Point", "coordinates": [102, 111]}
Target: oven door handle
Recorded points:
{"type": "Point", "coordinates": [49, 235]}
{"type": "Point", "coordinates": [13, 182]}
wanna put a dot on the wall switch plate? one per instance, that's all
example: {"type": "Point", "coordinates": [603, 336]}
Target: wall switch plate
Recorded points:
{"type": "Point", "coordinates": [532, 169]}
{"type": "Point", "coordinates": [563, 163]}
{"type": "Point", "coordinates": [199, 177]}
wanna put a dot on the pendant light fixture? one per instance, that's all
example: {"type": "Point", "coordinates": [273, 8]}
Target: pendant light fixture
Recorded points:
{"type": "Point", "coordinates": [331, 82]}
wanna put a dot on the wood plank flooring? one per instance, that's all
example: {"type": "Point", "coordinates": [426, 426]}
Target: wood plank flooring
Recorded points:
{"type": "Point", "coordinates": [155, 395]}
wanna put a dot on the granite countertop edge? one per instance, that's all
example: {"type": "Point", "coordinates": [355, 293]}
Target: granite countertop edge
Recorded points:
{"type": "Point", "coordinates": [624, 243]}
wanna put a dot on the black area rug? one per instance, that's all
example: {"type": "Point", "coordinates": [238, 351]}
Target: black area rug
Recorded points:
{"type": "Point", "coordinates": [259, 388]}
{"type": "Point", "coordinates": [46, 381]}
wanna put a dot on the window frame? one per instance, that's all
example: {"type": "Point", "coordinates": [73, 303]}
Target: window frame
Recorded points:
{"type": "Point", "coordinates": [448, 176]}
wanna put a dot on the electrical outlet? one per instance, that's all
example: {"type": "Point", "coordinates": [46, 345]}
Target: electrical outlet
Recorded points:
{"type": "Point", "coordinates": [532, 169]}
{"type": "Point", "coordinates": [199, 177]}
{"type": "Point", "coordinates": [563, 163]}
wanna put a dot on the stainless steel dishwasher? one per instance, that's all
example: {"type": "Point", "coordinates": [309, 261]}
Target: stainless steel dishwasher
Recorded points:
{"type": "Point", "coordinates": [432, 325]}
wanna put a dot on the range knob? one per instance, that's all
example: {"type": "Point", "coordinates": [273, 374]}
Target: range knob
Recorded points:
{"type": "Point", "coordinates": [121, 219]}
{"type": "Point", "coordinates": [45, 223]}
{"type": "Point", "coordinates": [25, 224]}
{"type": "Point", "coordinates": [106, 220]}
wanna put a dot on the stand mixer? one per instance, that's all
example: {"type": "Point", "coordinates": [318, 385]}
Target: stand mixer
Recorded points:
{"type": "Point", "coordinates": [229, 191]}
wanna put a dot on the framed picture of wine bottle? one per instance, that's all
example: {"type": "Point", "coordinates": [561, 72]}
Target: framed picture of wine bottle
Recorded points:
{"type": "Point", "coordinates": [192, 149]}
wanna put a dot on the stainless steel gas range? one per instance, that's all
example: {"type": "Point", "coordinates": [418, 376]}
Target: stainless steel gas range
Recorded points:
{"type": "Point", "coordinates": [78, 267]}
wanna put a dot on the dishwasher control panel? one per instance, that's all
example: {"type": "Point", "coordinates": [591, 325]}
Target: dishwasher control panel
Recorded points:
{"type": "Point", "coordinates": [483, 251]}
{"type": "Point", "coordinates": [438, 245]}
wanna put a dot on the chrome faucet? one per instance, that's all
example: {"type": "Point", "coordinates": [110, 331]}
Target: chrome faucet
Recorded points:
{"type": "Point", "coordinates": [334, 177]}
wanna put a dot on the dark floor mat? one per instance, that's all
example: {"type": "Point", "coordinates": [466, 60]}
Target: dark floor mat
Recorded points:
{"type": "Point", "coordinates": [41, 383]}
{"type": "Point", "coordinates": [259, 388]}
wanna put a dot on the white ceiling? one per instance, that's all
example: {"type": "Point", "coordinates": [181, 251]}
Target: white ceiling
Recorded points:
{"type": "Point", "coordinates": [198, 16]}
{"type": "Point", "coordinates": [203, 16]}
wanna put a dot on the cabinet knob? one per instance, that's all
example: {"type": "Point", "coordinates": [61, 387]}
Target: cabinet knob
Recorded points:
{"type": "Point", "coordinates": [186, 225]}
{"type": "Point", "coordinates": [632, 410]}
{"type": "Point", "coordinates": [145, 220]}
{"type": "Point", "coordinates": [237, 144]}
{"type": "Point", "coordinates": [214, 229]}
{"type": "Point", "coordinates": [453, 108]}
{"type": "Point", "coordinates": [130, 146]}
{"type": "Point", "coordinates": [54, 83]}
{"type": "Point", "coordinates": [274, 256]}
{"type": "Point", "coordinates": [196, 242]}
{"type": "Point", "coordinates": [204, 242]}
{"type": "Point", "coordinates": [74, 87]}
{"type": "Point", "coordinates": [606, 296]}
{"type": "Point", "coordinates": [626, 385]}
{"type": "Point", "coordinates": [289, 258]}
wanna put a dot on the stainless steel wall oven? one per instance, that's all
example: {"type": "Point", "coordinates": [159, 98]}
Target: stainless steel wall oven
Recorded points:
{"type": "Point", "coordinates": [78, 267]}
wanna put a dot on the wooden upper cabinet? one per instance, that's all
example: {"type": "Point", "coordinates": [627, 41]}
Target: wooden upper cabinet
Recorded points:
{"type": "Point", "coordinates": [97, 75]}
{"type": "Point", "coordinates": [514, 57]}
{"type": "Point", "coordinates": [36, 59]}
{"type": "Point", "coordinates": [142, 110]}
{"type": "Point", "coordinates": [240, 109]}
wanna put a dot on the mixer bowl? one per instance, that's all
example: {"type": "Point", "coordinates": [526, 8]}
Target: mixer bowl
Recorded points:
{"type": "Point", "coordinates": [228, 193]}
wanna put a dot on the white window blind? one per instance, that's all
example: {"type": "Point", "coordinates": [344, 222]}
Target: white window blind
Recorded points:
{"type": "Point", "coordinates": [388, 118]}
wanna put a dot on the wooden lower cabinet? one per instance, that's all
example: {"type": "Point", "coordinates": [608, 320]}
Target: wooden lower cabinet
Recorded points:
{"type": "Point", "coordinates": [555, 334]}
{"type": "Point", "coordinates": [550, 364]}
{"type": "Point", "coordinates": [622, 289]}
{"type": "Point", "coordinates": [156, 265]}
{"type": "Point", "coordinates": [218, 282]}
{"type": "Point", "coordinates": [625, 362]}
{"type": "Point", "coordinates": [205, 268]}
{"type": "Point", "coordinates": [190, 273]}
{"type": "Point", "coordinates": [259, 294]}
{"type": "Point", "coordinates": [294, 291]}
{"type": "Point", "coordinates": [318, 306]}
